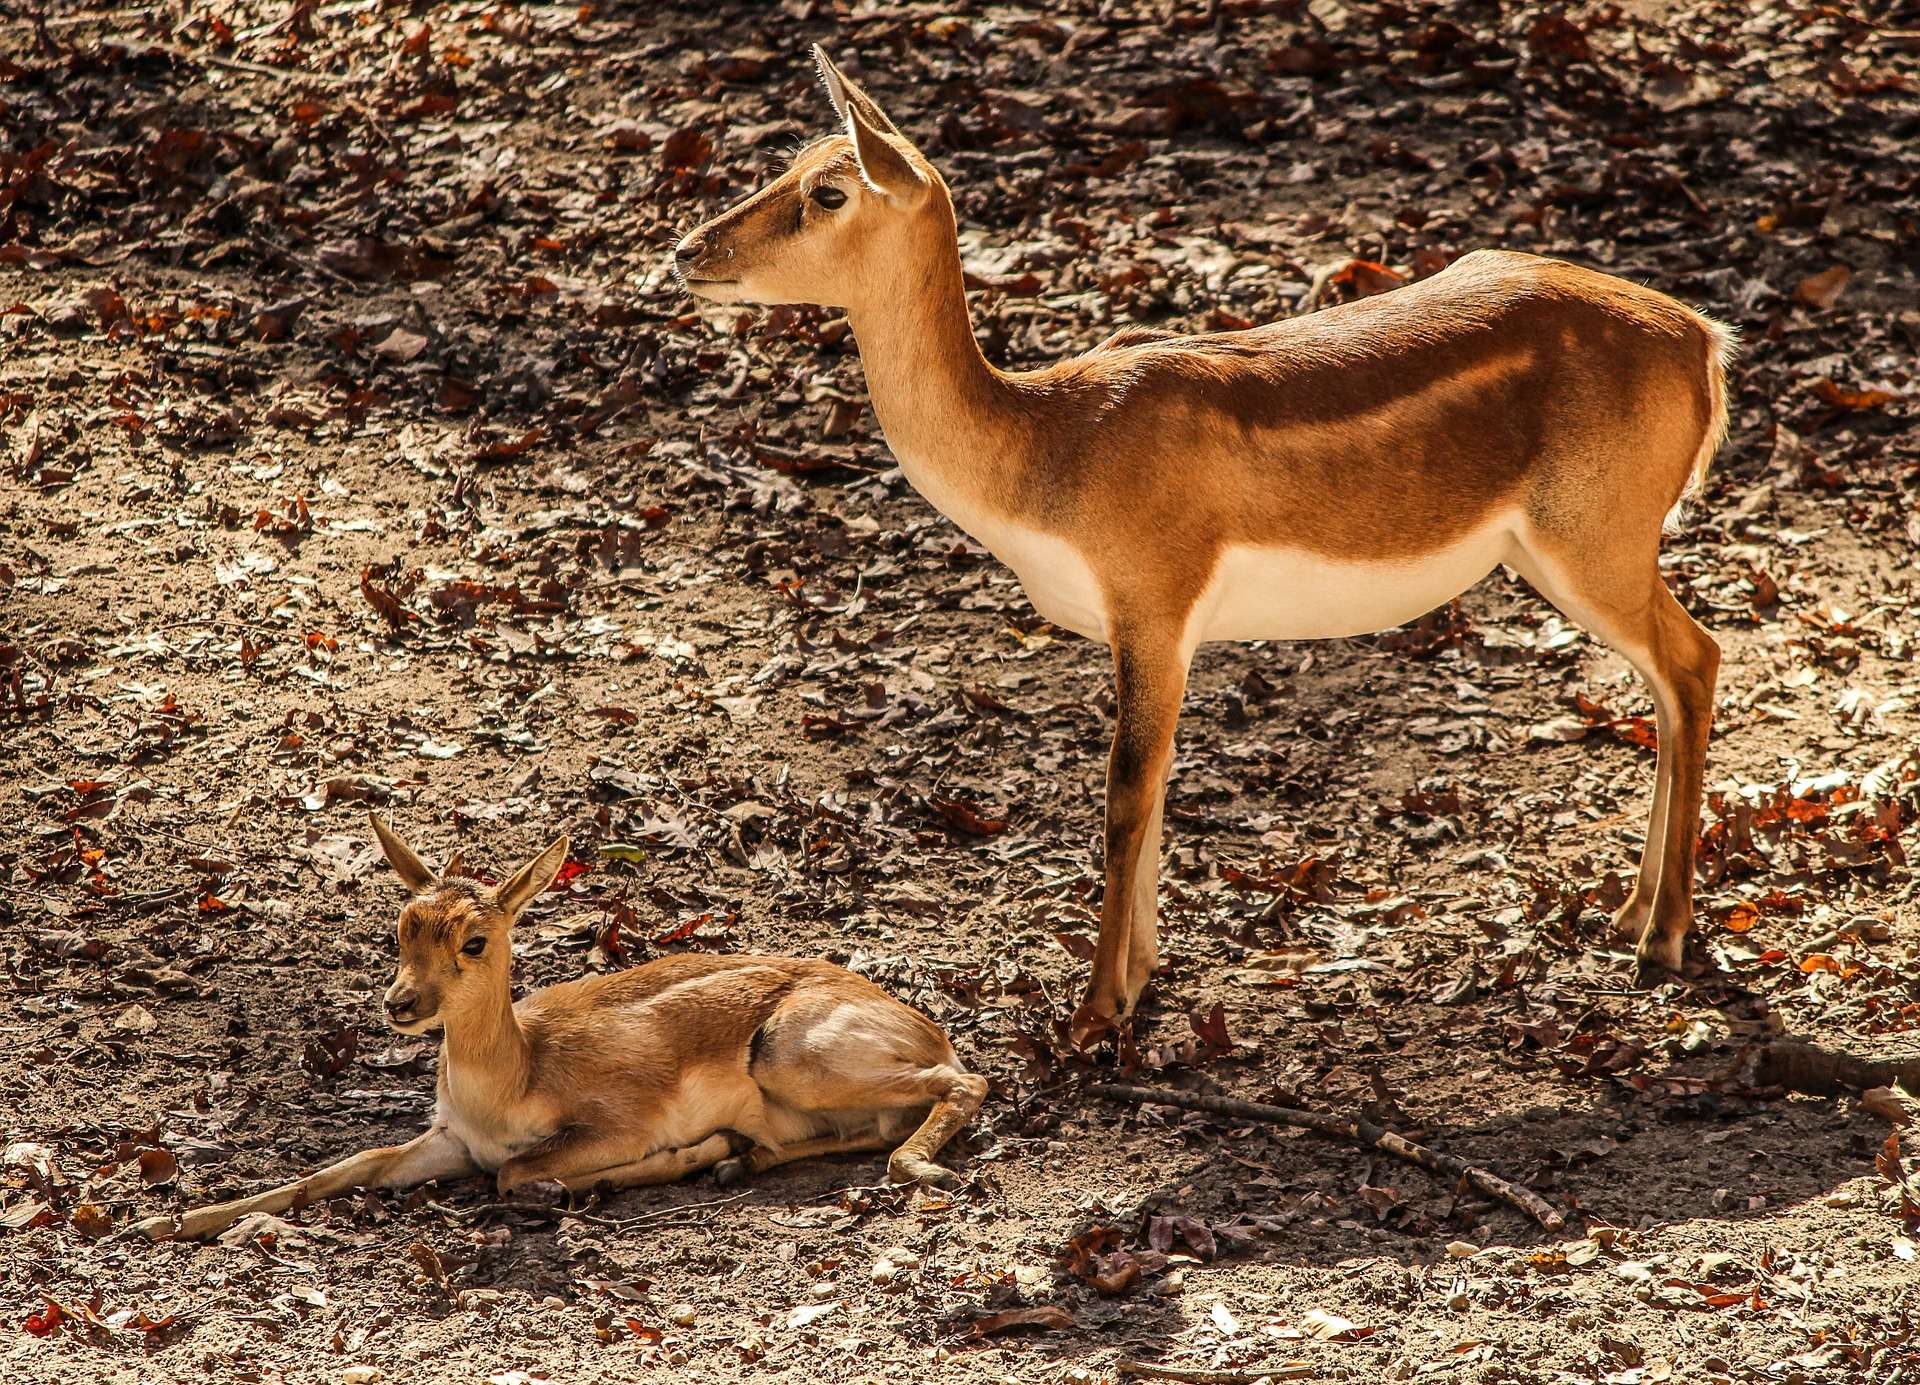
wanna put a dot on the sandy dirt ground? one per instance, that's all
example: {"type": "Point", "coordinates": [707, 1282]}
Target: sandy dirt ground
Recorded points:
{"type": "Point", "coordinates": [358, 452]}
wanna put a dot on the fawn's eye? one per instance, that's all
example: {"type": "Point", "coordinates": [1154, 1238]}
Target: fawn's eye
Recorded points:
{"type": "Point", "coordinates": [828, 196]}
{"type": "Point", "coordinates": [475, 945]}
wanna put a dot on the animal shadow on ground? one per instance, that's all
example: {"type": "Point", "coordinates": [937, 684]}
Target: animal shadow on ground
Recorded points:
{"type": "Point", "coordinates": [1693, 1173]}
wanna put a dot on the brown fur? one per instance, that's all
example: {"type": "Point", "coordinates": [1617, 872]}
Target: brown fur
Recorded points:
{"type": "Point", "coordinates": [638, 1076]}
{"type": "Point", "coordinates": [1378, 430]}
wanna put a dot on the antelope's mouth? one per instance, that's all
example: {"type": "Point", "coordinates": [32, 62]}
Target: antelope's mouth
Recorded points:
{"type": "Point", "coordinates": [715, 290]}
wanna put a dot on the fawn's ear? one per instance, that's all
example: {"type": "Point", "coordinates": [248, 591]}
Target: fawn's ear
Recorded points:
{"type": "Point", "coordinates": [877, 142]}
{"type": "Point", "coordinates": [531, 879]}
{"type": "Point", "coordinates": [410, 868]}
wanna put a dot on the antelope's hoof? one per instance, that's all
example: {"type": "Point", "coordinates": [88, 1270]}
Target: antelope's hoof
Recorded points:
{"type": "Point", "coordinates": [1630, 924]}
{"type": "Point", "coordinates": [911, 1168]}
{"type": "Point", "coordinates": [1660, 955]}
{"type": "Point", "coordinates": [1092, 1023]}
{"type": "Point", "coordinates": [730, 1173]}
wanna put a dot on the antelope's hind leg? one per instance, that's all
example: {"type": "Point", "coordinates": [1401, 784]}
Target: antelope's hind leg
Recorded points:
{"type": "Point", "coordinates": [763, 1157]}
{"type": "Point", "coordinates": [1679, 661]}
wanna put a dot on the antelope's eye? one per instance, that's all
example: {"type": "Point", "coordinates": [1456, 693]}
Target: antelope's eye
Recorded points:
{"type": "Point", "coordinates": [475, 945]}
{"type": "Point", "coordinates": [828, 196]}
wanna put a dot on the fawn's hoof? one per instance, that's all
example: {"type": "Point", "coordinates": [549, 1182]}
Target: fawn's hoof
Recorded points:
{"type": "Point", "coordinates": [730, 1173]}
{"type": "Point", "coordinates": [911, 1168]}
{"type": "Point", "coordinates": [540, 1192]}
{"type": "Point", "coordinates": [165, 1227]}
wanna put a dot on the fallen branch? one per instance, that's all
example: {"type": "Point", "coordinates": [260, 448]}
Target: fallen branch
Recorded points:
{"type": "Point", "coordinates": [1339, 1127]}
{"type": "Point", "coordinates": [1812, 1070]}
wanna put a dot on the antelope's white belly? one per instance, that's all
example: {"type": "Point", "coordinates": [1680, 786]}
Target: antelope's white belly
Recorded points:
{"type": "Point", "coordinates": [1257, 592]}
{"type": "Point", "coordinates": [1291, 594]}
{"type": "Point", "coordinates": [1264, 593]}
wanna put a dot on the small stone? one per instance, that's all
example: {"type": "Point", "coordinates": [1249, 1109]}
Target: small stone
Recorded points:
{"type": "Point", "coordinates": [362, 1375]}
{"type": "Point", "coordinates": [1458, 1300]}
{"type": "Point", "coordinates": [553, 1301]}
{"type": "Point", "coordinates": [1462, 1250]}
{"type": "Point", "coordinates": [682, 1314]}
{"type": "Point", "coordinates": [884, 1271]}
{"type": "Point", "coordinates": [676, 1356]}
{"type": "Point", "coordinates": [901, 1257]}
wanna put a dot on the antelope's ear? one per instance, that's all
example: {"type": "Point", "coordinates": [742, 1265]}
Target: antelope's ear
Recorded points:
{"type": "Point", "coordinates": [410, 868]}
{"type": "Point", "coordinates": [531, 879]}
{"type": "Point", "coordinates": [877, 142]}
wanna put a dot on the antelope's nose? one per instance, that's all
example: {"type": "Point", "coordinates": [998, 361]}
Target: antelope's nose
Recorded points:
{"type": "Point", "coordinates": [688, 250]}
{"type": "Point", "coordinates": [400, 1003]}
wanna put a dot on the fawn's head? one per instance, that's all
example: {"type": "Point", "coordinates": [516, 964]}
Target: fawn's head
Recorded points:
{"type": "Point", "coordinates": [838, 228]}
{"type": "Point", "coordinates": [456, 935]}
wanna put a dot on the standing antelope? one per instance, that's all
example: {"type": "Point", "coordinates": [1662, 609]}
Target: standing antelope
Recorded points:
{"type": "Point", "coordinates": [1327, 476]}
{"type": "Point", "coordinates": [632, 1078]}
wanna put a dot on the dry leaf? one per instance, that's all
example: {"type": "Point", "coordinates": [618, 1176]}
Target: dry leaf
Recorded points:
{"type": "Point", "coordinates": [1823, 290]}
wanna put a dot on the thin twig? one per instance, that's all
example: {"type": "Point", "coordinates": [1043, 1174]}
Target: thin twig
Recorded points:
{"type": "Point", "coordinates": [1359, 1131]}
{"type": "Point", "coordinates": [1196, 1376]}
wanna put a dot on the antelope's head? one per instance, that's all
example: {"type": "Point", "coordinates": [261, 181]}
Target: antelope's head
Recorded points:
{"type": "Point", "coordinates": [456, 935]}
{"type": "Point", "coordinates": [839, 227]}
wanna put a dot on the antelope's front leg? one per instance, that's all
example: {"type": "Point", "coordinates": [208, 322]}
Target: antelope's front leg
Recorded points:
{"type": "Point", "coordinates": [435, 1154]}
{"type": "Point", "coordinates": [1150, 672]}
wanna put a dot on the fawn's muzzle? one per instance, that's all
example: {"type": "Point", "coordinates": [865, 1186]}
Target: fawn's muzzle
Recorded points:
{"type": "Point", "coordinates": [400, 1004]}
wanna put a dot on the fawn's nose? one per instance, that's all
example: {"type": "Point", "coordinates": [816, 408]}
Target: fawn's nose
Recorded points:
{"type": "Point", "coordinates": [688, 250]}
{"type": "Point", "coordinates": [400, 1003]}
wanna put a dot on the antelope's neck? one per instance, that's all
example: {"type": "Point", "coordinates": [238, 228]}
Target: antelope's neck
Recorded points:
{"type": "Point", "coordinates": [486, 1055]}
{"type": "Point", "coordinates": [950, 418]}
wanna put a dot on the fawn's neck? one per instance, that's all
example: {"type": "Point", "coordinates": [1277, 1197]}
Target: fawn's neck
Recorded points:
{"type": "Point", "coordinates": [485, 1048]}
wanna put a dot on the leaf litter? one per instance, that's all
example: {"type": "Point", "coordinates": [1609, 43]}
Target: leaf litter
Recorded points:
{"type": "Point", "coordinates": [362, 457]}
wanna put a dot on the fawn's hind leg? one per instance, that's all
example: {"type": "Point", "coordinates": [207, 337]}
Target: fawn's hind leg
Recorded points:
{"type": "Point", "coordinates": [865, 1063]}
{"type": "Point", "coordinates": [960, 1095]}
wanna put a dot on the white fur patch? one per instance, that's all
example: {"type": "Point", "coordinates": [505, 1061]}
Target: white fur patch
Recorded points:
{"type": "Point", "coordinates": [1257, 592]}
{"type": "Point", "coordinates": [1057, 579]}
{"type": "Point", "coordinates": [1277, 593]}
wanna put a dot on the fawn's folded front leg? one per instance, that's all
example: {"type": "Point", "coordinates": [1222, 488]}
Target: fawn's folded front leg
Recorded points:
{"type": "Point", "coordinates": [1150, 674]}
{"type": "Point", "coordinates": [580, 1161]}
{"type": "Point", "coordinates": [434, 1154]}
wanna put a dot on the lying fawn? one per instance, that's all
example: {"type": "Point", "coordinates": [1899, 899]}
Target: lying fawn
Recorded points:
{"type": "Point", "coordinates": [633, 1077]}
{"type": "Point", "coordinates": [1327, 476]}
